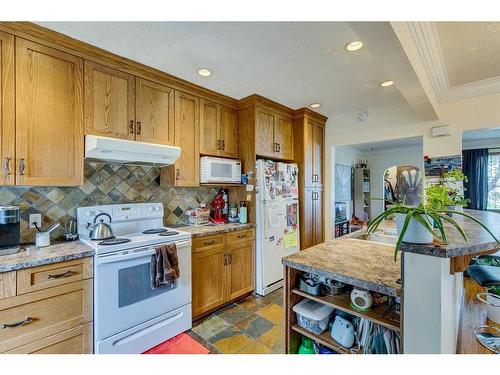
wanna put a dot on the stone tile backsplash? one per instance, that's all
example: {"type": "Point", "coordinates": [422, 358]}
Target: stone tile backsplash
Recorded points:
{"type": "Point", "coordinates": [104, 184]}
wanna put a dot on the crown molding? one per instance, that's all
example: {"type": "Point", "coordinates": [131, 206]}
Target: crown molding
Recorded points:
{"type": "Point", "coordinates": [426, 39]}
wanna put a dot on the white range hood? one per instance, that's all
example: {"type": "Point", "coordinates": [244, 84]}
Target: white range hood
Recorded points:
{"type": "Point", "coordinates": [123, 151]}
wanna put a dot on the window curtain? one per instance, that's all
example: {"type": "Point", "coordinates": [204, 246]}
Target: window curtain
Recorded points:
{"type": "Point", "coordinates": [475, 167]}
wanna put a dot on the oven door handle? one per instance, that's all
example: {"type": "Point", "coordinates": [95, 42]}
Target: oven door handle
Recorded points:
{"type": "Point", "coordinates": [130, 254]}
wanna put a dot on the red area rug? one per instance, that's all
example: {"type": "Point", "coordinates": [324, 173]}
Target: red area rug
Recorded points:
{"type": "Point", "coordinates": [181, 344]}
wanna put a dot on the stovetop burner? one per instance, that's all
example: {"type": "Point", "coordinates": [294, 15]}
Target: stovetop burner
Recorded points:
{"type": "Point", "coordinates": [114, 241]}
{"type": "Point", "coordinates": [155, 230]}
{"type": "Point", "coordinates": [169, 233]}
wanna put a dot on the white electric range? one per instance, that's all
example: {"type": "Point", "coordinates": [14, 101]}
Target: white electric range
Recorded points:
{"type": "Point", "coordinates": [130, 316]}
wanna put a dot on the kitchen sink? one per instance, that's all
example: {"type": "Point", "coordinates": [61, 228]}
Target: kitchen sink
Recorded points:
{"type": "Point", "coordinates": [381, 236]}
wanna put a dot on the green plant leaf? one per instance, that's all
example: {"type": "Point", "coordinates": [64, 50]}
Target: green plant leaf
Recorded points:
{"type": "Point", "coordinates": [455, 224]}
{"type": "Point", "coordinates": [402, 233]}
{"type": "Point", "coordinates": [473, 219]}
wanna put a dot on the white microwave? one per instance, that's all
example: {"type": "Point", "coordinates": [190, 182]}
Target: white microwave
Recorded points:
{"type": "Point", "coordinates": [219, 170]}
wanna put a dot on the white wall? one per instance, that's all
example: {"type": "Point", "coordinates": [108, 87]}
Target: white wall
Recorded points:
{"type": "Point", "coordinates": [379, 161]}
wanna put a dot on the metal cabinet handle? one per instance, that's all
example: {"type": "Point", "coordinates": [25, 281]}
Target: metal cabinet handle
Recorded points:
{"type": "Point", "coordinates": [177, 174]}
{"type": "Point", "coordinates": [62, 275]}
{"type": "Point", "coordinates": [223, 145]}
{"type": "Point", "coordinates": [209, 242]}
{"type": "Point", "coordinates": [131, 124]}
{"type": "Point", "coordinates": [275, 147]}
{"type": "Point", "coordinates": [242, 236]}
{"type": "Point", "coordinates": [279, 147]}
{"type": "Point", "coordinates": [17, 324]}
{"type": "Point", "coordinates": [7, 166]}
{"type": "Point", "coordinates": [139, 128]}
{"type": "Point", "coordinates": [218, 144]}
{"type": "Point", "coordinates": [230, 258]}
{"type": "Point", "coordinates": [225, 259]}
{"type": "Point", "coordinates": [22, 167]}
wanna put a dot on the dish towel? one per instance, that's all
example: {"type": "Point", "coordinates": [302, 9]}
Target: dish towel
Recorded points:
{"type": "Point", "coordinates": [164, 265]}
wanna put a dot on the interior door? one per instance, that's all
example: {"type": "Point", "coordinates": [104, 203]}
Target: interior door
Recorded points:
{"type": "Point", "coordinates": [229, 132]}
{"type": "Point", "coordinates": [209, 280]}
{"type": "Point", "coordinates": [317, 227]}
{"type": "Point", "coordinates": [187, 128]}
{"type": "Point", "coordinates": [318, 146]}
{"type": "Point", "coordinates": [49, 116]}
{"type": "Point", "coordinates": [283, 136]}
{"type": "Point", "coordinates": [7, 110]}
{"type": "Point", "coordinates": [109, 102]}
{"type": "Point", "coordinates": [154, 112]}
{"type": "Point", "coordinates": [241, 270]}
{"type": "Point", "coordinates": [210, 137]}
{"type": "Point", "coordinates": [264, 133]}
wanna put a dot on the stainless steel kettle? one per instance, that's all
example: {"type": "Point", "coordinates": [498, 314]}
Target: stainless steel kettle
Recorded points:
{"type": "Point", "coordinates": [101, 230]}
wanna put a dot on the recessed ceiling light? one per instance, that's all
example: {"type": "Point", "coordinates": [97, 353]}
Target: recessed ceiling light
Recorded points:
{"type": "Point", "coordinates": [387, 83]}
{"type": "Point", "coordinates": [204, 72]}
{"type": "Point", "coordinates": [354, 46]}
{"type": "Point", "coordinates": [315, 105]}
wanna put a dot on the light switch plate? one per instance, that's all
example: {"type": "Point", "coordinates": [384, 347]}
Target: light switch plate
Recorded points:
{"type": "Point", "coordinates": [35, 218]}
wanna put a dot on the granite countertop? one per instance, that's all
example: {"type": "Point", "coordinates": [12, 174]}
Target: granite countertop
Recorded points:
{"type": "Point", "coordinates": [206, 230]}
{"type": "Point", "coordinates": [30, 256]}
{"type": "Point", "coordinates": [360, 263]}
{"type": "Point", "coordinates": [479, 239]}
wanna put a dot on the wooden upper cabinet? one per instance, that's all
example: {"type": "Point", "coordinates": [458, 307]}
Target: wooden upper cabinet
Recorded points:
{"type": "Point", "coordinates": [210, 138]}
{"type": "Point", "coordinates": [283, 137]}
{"type": "Point", "coordinates": [264, 133]}
{"type": "Point", "coordinates": [187, 127]}
{"type": "Point", "coordinates": [7, 110]}
{"type": "Point", "coordinates": [109, 102]}
{"type": "Point", "coordinates": [218, 130]}
{"type": "Point", "coordinates": [229, 132]}
{"type": "Point", "coordinates": [49, 116]}
{"type": "Point", "coordinates": [318, 154]}
{"type": "Point", "coordinates": [154, 112]}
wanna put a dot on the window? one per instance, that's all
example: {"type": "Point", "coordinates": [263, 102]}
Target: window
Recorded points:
{"type": "Point", "coordinates": [494, 180]}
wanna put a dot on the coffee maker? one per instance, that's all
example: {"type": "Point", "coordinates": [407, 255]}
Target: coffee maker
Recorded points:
{"type": "Point", "coordinates": [9, 230]}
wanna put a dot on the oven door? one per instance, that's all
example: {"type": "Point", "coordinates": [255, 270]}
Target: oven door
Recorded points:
{"type": "Point", "coordinates": [124, 297]}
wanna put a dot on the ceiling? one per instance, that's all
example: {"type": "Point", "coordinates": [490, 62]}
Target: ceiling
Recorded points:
{"type": "Point", "coordinates": [294, 63]}
{"type": "Point", "coordinates": [397, 143]}
{"type": "Point", "coordinates": [471, 50]}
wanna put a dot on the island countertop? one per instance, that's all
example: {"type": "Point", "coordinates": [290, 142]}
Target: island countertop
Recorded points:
{"type": "Point", "coordinates": [31, 256]}
{"type": "Point", "coordinates": [360, 263]}
{"type": "Point", "coordinates": [479, 240]}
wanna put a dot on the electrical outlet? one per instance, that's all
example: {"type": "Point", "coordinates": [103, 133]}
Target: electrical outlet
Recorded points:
{"type": "Point", "coordinates": [35, 218]}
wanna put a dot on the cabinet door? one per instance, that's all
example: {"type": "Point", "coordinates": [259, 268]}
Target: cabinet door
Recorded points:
{"type": "Point", "coordinates": [240, 275]}
{"type": "Point", "coordinates": [109, 102]}
{"type": "Point", "coordinates": [210, 137]}
{"type": "Point", "coordinates": [154, 112]}
{"type": "Point", "coordinates": [317, 221]}
{"type": "Point", "coordinates": [229, 132]}
{"type": "Point", "coordinates": [209, 280]}
{"type": "Point", "coordinates": [318, 147]}
{"type": "Point", "coordinates": [264, 133]}
{"type": "Point", "coordinates": [308, 168]}
{"type": "Point", "coordinates": [283, 136]}
{"type": "Point", "coordinates": [187, 132]}
{"type": "Point", "coordinates": [49, 116]}
{"type": "Point", "coordinates": [7, 110]}
{"type": "Point", "coordinates": [306, 220]}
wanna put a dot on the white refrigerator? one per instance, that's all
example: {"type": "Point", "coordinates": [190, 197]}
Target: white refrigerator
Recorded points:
{"type": "Point", "coordinates": [277, 221]}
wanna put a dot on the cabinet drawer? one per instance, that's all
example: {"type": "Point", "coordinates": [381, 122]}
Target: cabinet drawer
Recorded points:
{"type": "Point", "coordinates": [240, 236]}
{"type": "Point", "coordinates": [33, 316]}
{"type": "Point", "coordinates": [38, 278]}
{"type": "Point", "coordinates": [208, 243]}
{"type": "Point", "coordinates": [7, 284]}
{"type": "Point", "coordinates": [78, 340]}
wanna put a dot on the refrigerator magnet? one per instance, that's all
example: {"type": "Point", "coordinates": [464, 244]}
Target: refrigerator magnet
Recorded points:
{"type": "Point", "coordinates": [271, 239]}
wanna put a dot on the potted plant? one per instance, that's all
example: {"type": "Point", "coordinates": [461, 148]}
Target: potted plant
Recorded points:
{"type": "Point", "coordinates": [416, 224]}
{"type": "Point", "coordinates": [448, 191]}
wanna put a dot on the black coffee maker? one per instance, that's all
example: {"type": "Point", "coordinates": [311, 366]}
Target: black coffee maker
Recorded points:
{"type": "Point", "coordinates": [9, 230]}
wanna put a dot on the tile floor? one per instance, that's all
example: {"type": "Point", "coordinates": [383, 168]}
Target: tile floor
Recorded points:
{"type": "Point", "coordinates": [251, 326]}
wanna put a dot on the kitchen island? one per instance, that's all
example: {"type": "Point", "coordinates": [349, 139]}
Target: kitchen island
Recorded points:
{"type": "Point", "coordinates": [425, 277]}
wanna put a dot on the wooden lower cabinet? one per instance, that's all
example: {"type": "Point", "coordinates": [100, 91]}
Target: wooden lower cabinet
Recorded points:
{"type": "Point", "coordinates": [52, 316]}
{"type": "Point", "coordinates": [223, 270]}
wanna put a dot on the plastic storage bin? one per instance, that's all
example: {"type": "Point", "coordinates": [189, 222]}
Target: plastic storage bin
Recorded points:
{"type": "Point", "coordinates": [312, 315]}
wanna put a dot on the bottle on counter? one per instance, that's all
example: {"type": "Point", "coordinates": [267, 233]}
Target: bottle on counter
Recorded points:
{"type": "Point", "coordinates": [225, 207]}
{"type": "Point", "coordinates": [243, 213]}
